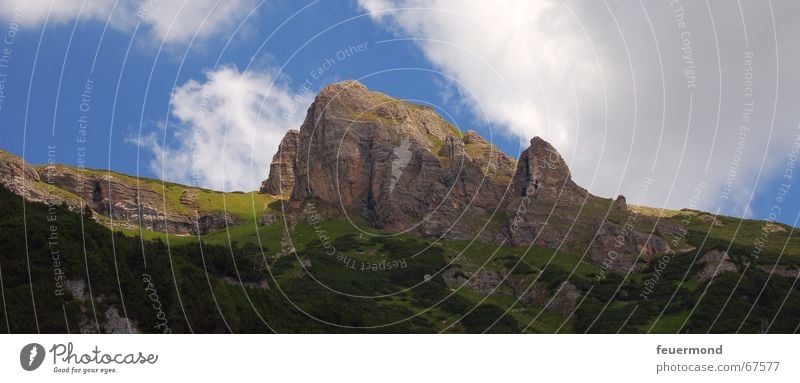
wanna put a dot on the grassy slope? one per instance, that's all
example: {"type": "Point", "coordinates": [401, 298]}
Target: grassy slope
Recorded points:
{"type": "Point", "coordinates": [474, 255]}
{"type": "Point", "coordinates": [246, 207]}
{"type": "Point", "coordinates": [739, 235]}
{"type": "Point", "coordinates": [240, 204]}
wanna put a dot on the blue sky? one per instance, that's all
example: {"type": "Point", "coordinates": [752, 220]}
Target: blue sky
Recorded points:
{"type": "Point", "coordinates": [126, 102]}
{"type": "Point", "coordinates": [121, 88]}
{"type": "Point", "coordinates": [489, 69]}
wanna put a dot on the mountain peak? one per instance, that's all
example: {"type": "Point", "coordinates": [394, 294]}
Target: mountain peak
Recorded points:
{"type": "Point", "coordinates": [542, 166]}
{"type": "Point", "coordinates": [347, 87]}
{"type": "Point", "coordinates": [537, 140]}
{"type": "Point", "coordinates": [472, 137]}
{"type": "Point", "coordinates": [350, 127]}
{"type": "Point", "coordinates": [548, 159]}
{"type": "Point", "coordinates": [399, 166]}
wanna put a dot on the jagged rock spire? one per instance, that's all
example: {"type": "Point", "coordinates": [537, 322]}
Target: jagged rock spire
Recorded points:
{"type": "Point", "coordinates": [281, 170]}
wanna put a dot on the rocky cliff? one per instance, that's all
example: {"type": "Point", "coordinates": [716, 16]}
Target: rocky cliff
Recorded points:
{"type": "Point", "coordinates": [383, 163]}
{"type": "Point", "coordinates": [23, 179]}
{"type": "Point", "coordinates": [401, 167]}
{"type": "Point", "coordinates": [281, 170]}
{"type": "Point", "coordinates": [133, 204]}
{"type": "Point", "coordinates": [125, 201]}
{"type": "Point", "coordinates": [397, 165]}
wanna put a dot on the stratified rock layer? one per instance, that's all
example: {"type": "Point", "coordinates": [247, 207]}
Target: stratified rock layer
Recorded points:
{"type": "Point", "coordinates": [22, 179]}
{"type": "Point", "coordinates": [133, 205]}
{"type": "Point", "coordinates": [110, 196]}
{"type": "Point", "coordinates": [384, 163]}
{"type": "Point", "coordinates": [281, 170]}
{"type": "Point", "coordinates": [399, 166]}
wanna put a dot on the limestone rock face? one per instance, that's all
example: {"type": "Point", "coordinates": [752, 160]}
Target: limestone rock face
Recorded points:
{"type": "Point", "coordinates": [715, 263]}
{"type": "Point", "coordinates": [281, 170]}
{"type": "Point", "coordinates": [131, 205]}
{"type": "Point", "coordinates": [110, 196]}
{"type": "Point", "coordinates": [397, 165]}
{"type": "Point", "coordinates": [14, 170]}
{"type": "Point", "coordinates": [621, 248]}
{"type": "Point", "coordinates": [542, 169]}
{"type": "Point", "coordinates": [562, 299]}
{"type": "Point", "coordinates": [383, 163]}
{"type": "Point", "coordinates": [544, 205]}
{"type": "Point", "coordinates": [22, 179]}
{"type": "Point", "coordinates": [565, 299]}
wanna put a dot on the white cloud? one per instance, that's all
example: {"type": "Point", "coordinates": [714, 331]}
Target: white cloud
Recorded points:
{"type": "Point", "coordinates": [587, 76]}
{"type": "Point", "coordinates": [228, 127]}
{"type": "Point", "coordinates": [175, 21]}
{"type": "Point", "coordinates": [505, 56]}
{"type": "Point", "coordinates": [169, 21]}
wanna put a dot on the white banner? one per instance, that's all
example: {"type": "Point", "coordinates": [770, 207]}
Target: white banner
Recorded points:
{"type": "Point", "coordinates": [398, 358]}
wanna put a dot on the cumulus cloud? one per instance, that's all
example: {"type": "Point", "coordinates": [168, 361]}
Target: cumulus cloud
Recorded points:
{"type": "Point", "coordinates": [168, 21]}
{"type": "Point", "coordinates": [627, 91]}
{"type": "Point", "coordinates": [226, 129]}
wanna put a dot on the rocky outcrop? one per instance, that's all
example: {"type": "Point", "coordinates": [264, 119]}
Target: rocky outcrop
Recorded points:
{"type": "Point", "coordinates": [282, 168]}
{"type": "Point", "coordinates": [111, 322]}
{"type": "Point", "coordinates": [497, 166]}
{"type": "Point", "coordinates": [262, 284]}
{"type": "Point", "coordinates": [22, 179]}
{"type": "Point", "coordinates": [188, 199]}
{"type": "Point", "coordinates": [115, 323]}
{"type": "Point", "coordinates": [562, 299]}
{"type": "Point", "coordinates": [16, 172]}
{"type": "Point", "coordinates": [127, 204]}
{"type": "Point", "coordinates": [542, 169]}
{"type": "Point", "coordinates": [399, 166]}
{"type": "Point", "coordinates": [709, 219]}
{"type": "Point", "coordinates": [267, 219]}
{"type": "Point", "coordinates": [619, 247]}
{"type": "Point", "coordinates": [379, 162]}
{"type": "Point", "coordinates": [620, 203]}
{"type": "Point", "coordinates": [781, 270]}
{"type": "Point", "coordinates": [716, 262]}
{"type": "Point", "coordinates": [112, 197]}
{"type": "Point", "coordinates": [544, 204]}
{"type": "Point", "coordinates": [565, 299]}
